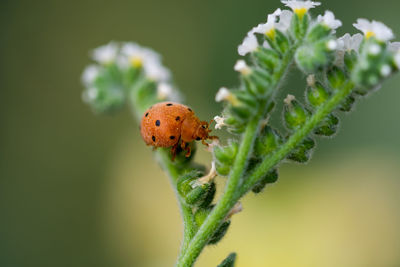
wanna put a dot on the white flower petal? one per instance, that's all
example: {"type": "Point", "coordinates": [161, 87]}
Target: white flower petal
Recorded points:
{"type": "Point", "coordinates": [90, 74]}
{"type": "Point", "coordinates": [249, 45]}
{"type": "Point", "coordinates": [298, 5]}
{"type": "Point", "coordinates": [285, 19]}
{"type": "Point", "coordinates": [105, 54]}
{"type": "Point", "coordinates": [220, 122]}
{"type": "Point", "coordinates": [222, 94]}
{"type": "Point", "coordinates": [329, 20]}
{"type": "Point", "coordinates": [242, 67]}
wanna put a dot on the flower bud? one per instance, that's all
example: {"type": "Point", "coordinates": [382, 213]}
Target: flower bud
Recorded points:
{"type": "Point", "coordinates": [316, 95]}
{"type": "Point", "coordinates": [229, 261]}
{"type": "Point", "coordinates": [328, 127]}
{"type": "Point", "coordinates": [347, 104]}
{"type": "Point", "coordinates": [350, 59]}
{"type": "Point", "coordinates": [312, 56]}
{"type": "Point", "coordinates": [268, 59]}
{"type": "Point", "coordinates": [299, 25]}
{"type": "Point", "coordinates": [226, 154]}
{"type": "Point", "coordinates": [294, 113]}
{"type": "Point", "coordinates": [278, 41]}
{"type": "Point", "coordinates": [257, 82]}
{"type": "Point", "coordinates": [222, 168]}
{"type": "Point", "coordinates": [318, 32]}
{"type": "Point", "coordinates": [194, 194]}
{"type": "Point", "coordinates": [270, 177]}
{"type": "Point", "coordinates": [302, 153]}
{"type": "Point", "coordinates": [336, 78]}
{"type": "Point", "coordinates": [267, 141]}
{"type": "Point", "coordinates": [219, 233]}
{"type": "Point", "coordinates": [201, 215]}
{"type": "Point", "coordinates": [373, 65]}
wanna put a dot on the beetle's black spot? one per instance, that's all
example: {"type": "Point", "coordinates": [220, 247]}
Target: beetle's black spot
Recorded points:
{"type": "Point", "coordinates": [177, 118]}
{"type": "Point", "coordinates": [169, 104]}
{"type": "Point", "coordinates": [190, 109]}
{"type": "Point", "coordinates": [198, 138]}
{"type": "Point", "coordinates": [147, 114]}
{"type": "Point", "coordinates": [158, 122]}
{"type": "Point", "coordinates": [172, 137]}
{"type": "Point", "coordinates": [203, 126]}
{"type": "Point", "coordinates": [153, 138]}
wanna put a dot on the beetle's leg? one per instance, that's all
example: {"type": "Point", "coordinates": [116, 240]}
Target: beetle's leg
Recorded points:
{"type": "Point", "coordinates": [204, 142]}
{"type": "Point", "coordinates": [173, 150]}
{"type": "Point", "coordinates": [213, 137]}
{"type": "Point", "coordinates": [188, 151]}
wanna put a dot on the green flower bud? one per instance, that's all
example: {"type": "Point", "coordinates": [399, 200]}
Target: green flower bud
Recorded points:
{"type": "Point", "coordinates": [336, 78]}
{"type": "Point", "coordinates": [201, 215]}
{"type": "Point", "coordinates": [347, 104]}
{"type": "Point", "coordinates": [278, 41]}
{"type": "Point", "coordinates": [269, 178]}
{"type": "Point", "coordinates": [316, 95]}
{"type": "Point", "coordinates": [328, 127]}
{"type": "Point", "coordinates": [267, 141]}
{"type": "Point", "coordinates": [312, 56]}
{"type": "Point", "coordinates": [222, 169]}
{"type": "Point", "coordinates": [299, 25]}
{"type": "Point", "coordinates": [226, 154]}
{"type": "Point", "coordinates": [294, 113]}
{"type": "Point", "coordinates": [257, 82]}
{"type": "Point", "coordinates": [350, 59]}
{"type": "Point", "coordinates": [194, 194]}
{"type": "Point", "coordinates": [229, 261]}
{"type": "Point", "coordinates": [268, 59]}
{"type": "Point", "coordinates": [302, 153]}
{"type": "Point", "coordinates": [219, 233]}
{"type": "Point", "coordinates": [318, 32]}
{"type": "Point", "coordinates": [373, 65]}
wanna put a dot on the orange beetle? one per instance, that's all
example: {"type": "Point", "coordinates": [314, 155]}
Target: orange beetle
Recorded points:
{"type": "Point", "coordinates": [167, 124]}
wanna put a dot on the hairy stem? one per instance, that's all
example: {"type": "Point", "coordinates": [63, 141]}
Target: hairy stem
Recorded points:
{"type": "Point", "coordinates": [230, 197]}
{"type": "Point", "coordinates": [173, 175]}
{"type": "Point", "coordinates": [269, 162]}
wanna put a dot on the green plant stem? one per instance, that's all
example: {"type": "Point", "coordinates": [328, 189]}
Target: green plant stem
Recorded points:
{"type": "Point", "coordinates": [226, 202]}
{"type": "Point", "coordinates": [269, 162]}
{"type": "Point", "coordinates": [173, 175]}
{"type": "Point", "coordinates": [229, 198]}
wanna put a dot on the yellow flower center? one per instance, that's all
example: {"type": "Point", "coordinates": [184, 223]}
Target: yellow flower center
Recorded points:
{"type": "Point", "coordinates": [369, 34]}
{"type": "Point", "coordinates": [271, 33]}
{"type": "Point", "coordinates": [300, 12]}
{"type": "Point", "coordinates": [136, 62]}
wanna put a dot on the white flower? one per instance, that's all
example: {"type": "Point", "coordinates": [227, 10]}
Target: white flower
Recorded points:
{"type": "Point", "coordinates": [348, 42]}
{"type": "Point", "coordinates": [220, 122]}
{"type": "Point", "coordinates": [248, 45]}
{"type": "Point", "coordinates": [223, 94]}
{"type": "Point", "coordinates": [164, 91]}
{"type": "Point", "coordinates": [242, 67]}
{"type": "Point", "coordinates": [285, 19]}
{"type": "Point", "coordinates": [374, 29]}
{"type": "Point", "coordinates": [105, 54]}
{"type": "Point", "coordinates": [332, 45]}
{"type": "Point", "coordinates": [386, 70]}
{"type": "Point", "coordinates": [300, 7]}
{"type": "Point", "coordinates": [268, 28]}
{"type": "Point", "coordinates": [328, 19]}
{"type": "Point", "coordinates": [90, 74]}
{"type": "Point", "coordinates": [135, 55]}
{"type": "Point", "coordinates": [154, 70]}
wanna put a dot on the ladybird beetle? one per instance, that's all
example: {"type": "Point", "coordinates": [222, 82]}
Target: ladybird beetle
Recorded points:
{"type": "Point", "coordinates": [169, 124]}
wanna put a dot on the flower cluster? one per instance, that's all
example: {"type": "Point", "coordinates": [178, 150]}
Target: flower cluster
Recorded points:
{"type": "Point", "coordinates": [118, 68]}
{"type": "Point", "coordinates": [331, 65]}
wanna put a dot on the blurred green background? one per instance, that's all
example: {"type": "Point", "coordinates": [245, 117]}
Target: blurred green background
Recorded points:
{"type": "Point", "coordinates": [81, 190]}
